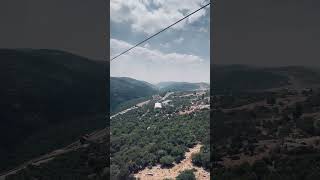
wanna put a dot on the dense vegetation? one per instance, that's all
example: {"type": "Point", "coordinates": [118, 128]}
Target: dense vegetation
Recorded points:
{"type": "Point", "coordinates": [299, 167]}
{"type": "Point", "coordinates": [44, 93]}
{"type": "Point", "coordinates": [186, 175]}
{"type": "Point", "coordinates": [145, 137]}
{"type": "Point", "coordinates": [202, 159]}
{"type": "Point", "coordinates": [276, 138]}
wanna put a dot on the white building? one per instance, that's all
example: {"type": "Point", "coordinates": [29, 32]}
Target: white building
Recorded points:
{"type": "Point", "coordinates": [157, 105]}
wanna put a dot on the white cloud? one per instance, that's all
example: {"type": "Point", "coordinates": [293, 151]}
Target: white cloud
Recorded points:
{"type": "Point", "coordinates": [149, 16]}
{"type": "Point", "coordinates": [165, 45]}
{"type": "Point", "coordinates": [147, 45]}
{"type": "Point", "coordinates": [179, 40]}
{"type": "Point", "coordinates": [204, 29]}
{"type": "Point", "coordinates": [155, 66]}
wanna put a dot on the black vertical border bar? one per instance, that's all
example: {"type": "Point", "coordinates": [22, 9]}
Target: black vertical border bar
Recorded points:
{"type": "Point", "coordinates": [107, 78]}
{"type": "Point", "coordinates": [107, 63]}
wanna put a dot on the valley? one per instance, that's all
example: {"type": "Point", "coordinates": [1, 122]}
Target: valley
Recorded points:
{"type": "Point", "coordinates": [146, 140]}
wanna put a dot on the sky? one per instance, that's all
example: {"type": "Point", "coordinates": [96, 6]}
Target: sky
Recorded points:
{"type": "Point", "coordinates": [179, 54]}
{"type": "Point", "coordinates": [77, 26]}
{"type": "Point", "coordinates": [267, 32]}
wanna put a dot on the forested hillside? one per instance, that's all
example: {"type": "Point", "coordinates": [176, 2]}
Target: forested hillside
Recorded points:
{"type": "Point", "coordinates": [277, 125]}
{"type": "Point", "coordinates": [123, 89]}
{"type": "Point", "coordinates": [145, 137]}
{"type": "Point", "coordinates": [237, 78]}
{"type": "Point", "coordinates": [48, 99]}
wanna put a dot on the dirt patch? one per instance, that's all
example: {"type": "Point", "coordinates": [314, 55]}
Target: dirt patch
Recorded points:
{"type": "Point", "coordinates": [194, 108]}
{"type": "Point", "coordinates": [157, 173]}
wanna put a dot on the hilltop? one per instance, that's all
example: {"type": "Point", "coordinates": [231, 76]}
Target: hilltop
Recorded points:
{"type": "Point", "coordinates": [181, 86]}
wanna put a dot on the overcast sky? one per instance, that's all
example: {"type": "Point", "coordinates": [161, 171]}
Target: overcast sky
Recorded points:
{"type": "Point", "coordinates": [267, 32]}
{"type": "Point", "coordinates": [180, 54]}
{"type": "Point", "coordinates": [77, 26]}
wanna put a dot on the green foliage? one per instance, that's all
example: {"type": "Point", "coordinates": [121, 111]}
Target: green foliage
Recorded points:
{"type": "Point", "coordinates": [143, 137]}
{"type": "Point", "coordinates": [202, 159]}
{"type": "Point", "coordinates": [166, 161]}
{"type": "Point", "coordinates": [197, 159]}
{"type": "Point", "coordinates": [123, 89]}
{"type": "Point", "coordinates": [186, 175]}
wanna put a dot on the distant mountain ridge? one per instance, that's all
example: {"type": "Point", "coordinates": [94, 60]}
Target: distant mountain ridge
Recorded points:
{"type": "Point", "coordinates": [181, 86]}
{"type": "Point", "coordinates": [237, 78]}
{"type": "Point", "coordinates": [124, 89]}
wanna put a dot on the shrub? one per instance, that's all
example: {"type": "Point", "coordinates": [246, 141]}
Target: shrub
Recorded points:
{"type": "Point", "coordinates": [166, 161]}
{"type": "Point", "coordinates": [186, 175]}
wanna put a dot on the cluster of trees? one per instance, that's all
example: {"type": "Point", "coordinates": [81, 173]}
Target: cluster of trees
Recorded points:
{"type": "Point", "coordinates": [143, 138]}
{"type": "Point", "coordinates": [303, 166]}
{"type": "Point", "coordinates": [186, 175]}
{"type": "Point", "coordinates": [298, 163]}
{"type": "Point", "coordinates": [202, 159]}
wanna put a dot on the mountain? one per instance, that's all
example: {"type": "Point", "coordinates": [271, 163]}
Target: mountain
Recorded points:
{"type": "Point", "coordinates": [243, 78]}
{"type": "Point", "coordinates": [123, 89]}
{"type": "Point", "coordinates": [181, 86]}
{"type": "Point", "coordinates": [48, 99]}
{"type": "Point", "coordinates": [237, 78]}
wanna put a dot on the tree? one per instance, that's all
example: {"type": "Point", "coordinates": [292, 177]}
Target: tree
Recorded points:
{"type": "Point", "coordinates": [186, 175]}
{"type": "Point", "coordinates": [166, 161]}
{"type": "Point", "coordinates": [178, 152]}
{"type": "Point", "coordinates": [196, 159]}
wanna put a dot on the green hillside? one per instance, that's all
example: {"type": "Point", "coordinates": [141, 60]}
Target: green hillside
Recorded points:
{"type": "Point", "coordinates": [123, 89]}
{"type": "Point", "coordinates": [236, 78]}
{"type": "Point", "coordinates": [239, 78]}
{"type": "Point", "coordinates": [48, 99]}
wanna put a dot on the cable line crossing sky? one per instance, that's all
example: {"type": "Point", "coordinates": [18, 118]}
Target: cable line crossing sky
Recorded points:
{"type": "Point", "coordinates": [145, 40]}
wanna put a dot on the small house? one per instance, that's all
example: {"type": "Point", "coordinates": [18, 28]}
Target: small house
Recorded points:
{"type": "Point", "coordinates": [157, 105]}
